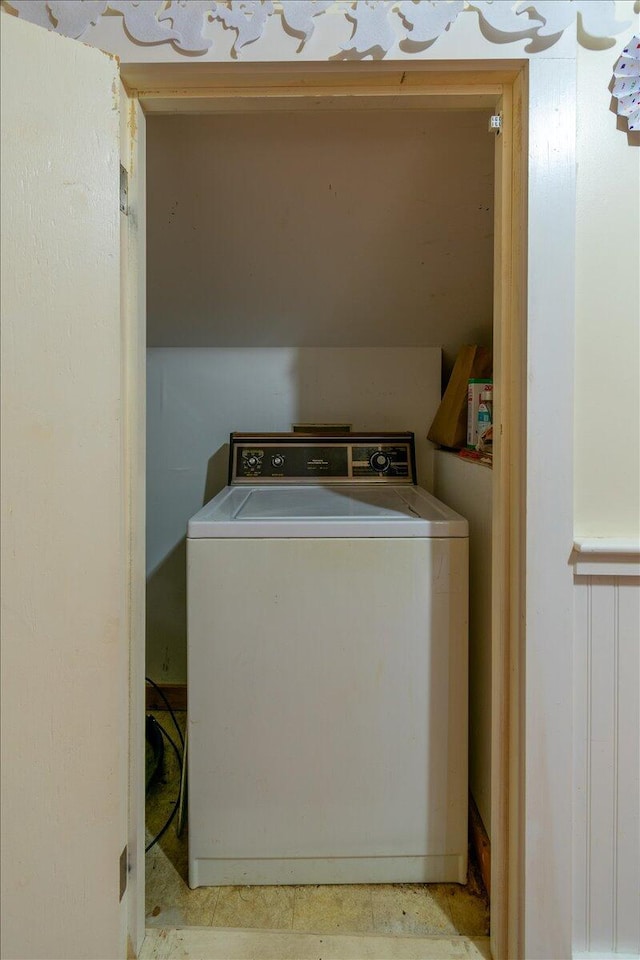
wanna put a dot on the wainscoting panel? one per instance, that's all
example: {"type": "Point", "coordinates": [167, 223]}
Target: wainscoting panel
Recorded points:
{"type": "Point", "coordinates": [607, 755]}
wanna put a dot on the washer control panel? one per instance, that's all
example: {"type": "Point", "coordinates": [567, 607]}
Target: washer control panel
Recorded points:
{"type": "Point", "coordinates": [339, 458]}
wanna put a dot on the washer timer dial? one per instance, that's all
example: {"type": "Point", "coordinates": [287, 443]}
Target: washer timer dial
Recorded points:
{"type": "Point", "coordinates": [380, 461]}
{"type": "Point", "coordinates": [252, 462]}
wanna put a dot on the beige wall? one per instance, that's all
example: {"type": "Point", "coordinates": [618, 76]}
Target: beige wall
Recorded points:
{"type": "Point", "coordinates": [359, 228]}
{"type": "Point", "coordinates": [607, 388]}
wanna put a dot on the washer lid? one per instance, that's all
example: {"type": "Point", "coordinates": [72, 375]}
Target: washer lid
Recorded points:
{"type": "Point", "coordinates": [326, 511]}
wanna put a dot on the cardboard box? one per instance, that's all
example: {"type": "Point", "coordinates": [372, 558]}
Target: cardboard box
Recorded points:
{"type": "Point", "coordinates": [475, 389]}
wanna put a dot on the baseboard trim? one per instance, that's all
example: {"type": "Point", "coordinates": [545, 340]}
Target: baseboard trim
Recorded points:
{"type": "Point", "coordinates": [480, 843]}
{"type": "Point", "coordinates": [176, 694]}
{"type": "Point", "coordinates": [219, 943]}
{"type": "Point", "coordinates": [268, 871]}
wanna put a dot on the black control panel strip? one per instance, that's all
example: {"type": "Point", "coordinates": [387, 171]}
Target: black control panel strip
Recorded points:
{"type": "Point", "coordinates": [341, 458]}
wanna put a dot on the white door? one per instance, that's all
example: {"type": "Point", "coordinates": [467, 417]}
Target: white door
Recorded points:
{"type": "Point", "coordinates": [66, 497]}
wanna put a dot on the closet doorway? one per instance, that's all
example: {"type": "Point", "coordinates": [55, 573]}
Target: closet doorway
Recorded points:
{"type": "Point", "coordinates": [212, 90]}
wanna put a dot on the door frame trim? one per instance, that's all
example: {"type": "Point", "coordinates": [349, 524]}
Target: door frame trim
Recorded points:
{"type": "Point", "coordinates": [533, 489]}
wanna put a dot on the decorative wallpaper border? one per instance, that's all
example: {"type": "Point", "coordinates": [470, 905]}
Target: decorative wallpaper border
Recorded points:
{"type": "Point", "coordinates": [377, 25]}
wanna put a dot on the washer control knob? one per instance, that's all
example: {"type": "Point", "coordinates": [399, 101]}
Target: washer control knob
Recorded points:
{"type": "Point", "coordinates": [379, 461]}
{"type": "Point", "coordinates": [251, 460]}
{"type": "Point", "coordinates": [277, 460]}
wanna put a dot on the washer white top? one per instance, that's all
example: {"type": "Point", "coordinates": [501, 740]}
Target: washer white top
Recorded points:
{"type": "Point", "coordinates": [346, 510]}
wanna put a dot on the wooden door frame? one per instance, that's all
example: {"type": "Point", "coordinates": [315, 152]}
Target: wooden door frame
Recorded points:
{"type": "Point", "coordinates": [134, 341]}
{"type": "Point", "coordinates": [532, 496]}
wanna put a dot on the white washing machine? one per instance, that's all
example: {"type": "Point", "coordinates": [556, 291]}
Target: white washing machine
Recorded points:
{"type": "Point", "coordinates": [327, 649]}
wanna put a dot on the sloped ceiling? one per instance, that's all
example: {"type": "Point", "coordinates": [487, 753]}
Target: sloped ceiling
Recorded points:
{"type": "Point", "coordinates": [365, 228]}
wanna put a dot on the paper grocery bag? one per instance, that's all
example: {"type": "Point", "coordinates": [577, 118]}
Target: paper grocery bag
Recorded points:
{"type": "Point", "coordinates": [449, 427]}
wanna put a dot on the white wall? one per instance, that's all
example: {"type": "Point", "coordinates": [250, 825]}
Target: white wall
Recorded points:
{"type": "Point", "coordinates": [358, 228]}
{"type": "Point", "coordinates": [197, 396]}
{"type": "Point", "coordinates": [606, 713]}
{"type": "Point", "coordinates": [607, 389]}
{"type": "Point", "coordinates": [607, 506]}
{"type": "Point", "coordinates": [468, 488]}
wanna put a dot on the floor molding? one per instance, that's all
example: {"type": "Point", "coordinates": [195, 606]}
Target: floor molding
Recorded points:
{"type": "Point", "coordinates": [480, 843]}
{"type": "Point", "coordinates": [194, 943]}
{"type": "Point", "coordinates": [176, 694]}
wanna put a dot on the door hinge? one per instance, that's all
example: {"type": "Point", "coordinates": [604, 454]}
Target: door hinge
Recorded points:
{"type": "Point", "coordinates": [495, 123]}
{"type": "Point", "coordinates": [124, 870]}
{"type": "Point", "coordinates": [124, 191]}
